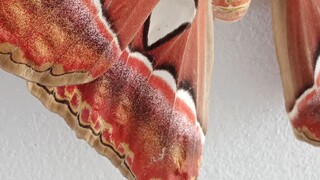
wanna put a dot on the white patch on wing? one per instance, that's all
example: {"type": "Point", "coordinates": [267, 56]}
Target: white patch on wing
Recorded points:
{"type": "Point", "coordinates": [203, 138]}
{"type": "Point", "coordinates": [295, 112]}
{"type": "Point", "coordinates": [143, 59]}
{"type": "Point", "coordinates": [169, 15]}
{"type": "Point", "coordinates": [317, 69]}
{"type": "Point", "coordinates": [183, 94]}
{"type": "Point", "coordinates": [187, 98]}
{"type": "Point", "coordinates": [167, 77]}
{"type": "Point", "coordinates": [98, 5]}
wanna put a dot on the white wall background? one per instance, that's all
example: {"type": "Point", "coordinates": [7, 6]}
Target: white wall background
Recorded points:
{"type": "Point", "coordinates": [249, 134]}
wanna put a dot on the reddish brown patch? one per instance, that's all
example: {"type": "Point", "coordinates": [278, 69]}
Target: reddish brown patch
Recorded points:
{"type": "Point", "coordinates": [307, 116]}
{"type": "Point", "coordinates": [84, 116]}
{"type": "Point", "coordinates": [74, 101]}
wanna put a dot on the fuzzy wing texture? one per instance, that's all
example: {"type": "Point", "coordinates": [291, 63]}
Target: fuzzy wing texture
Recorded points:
{"type": "Point", "coordinates": [297, 39]}
{"type": "Point", "coordinates": [147, 113]}
{"type": "Point", "coordinates": [62, 42]}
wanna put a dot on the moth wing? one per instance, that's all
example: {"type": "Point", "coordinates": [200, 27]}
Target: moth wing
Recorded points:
{"type": "Point", "coordinates": [297, 38]}
{"type": "Point", "coordinates": [148, 112]}
{"type": "Point", "coordinates": [66, 42]}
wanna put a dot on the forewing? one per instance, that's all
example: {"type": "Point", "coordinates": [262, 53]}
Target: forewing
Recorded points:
{"type": "Point", "coordinates": [62, 42]}
{"type": "Point", "coordinates": [148, 112]}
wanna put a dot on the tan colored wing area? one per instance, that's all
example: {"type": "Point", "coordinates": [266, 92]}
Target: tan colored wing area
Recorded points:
{"type": "Point", "coordinates": [297, 39]}
{"type": "Point", "coordinates": [63, 108]}
{"type": "Point", "coordinates": [205, 66]}
{"type": "Point", "coordinates": [64, 42]}
{"type": "Point", "coordinates": [280, 38]}
{"type": "Point", "coordinates": [207, 71]}
{"type": "Point", "coordinates": [12, 60]}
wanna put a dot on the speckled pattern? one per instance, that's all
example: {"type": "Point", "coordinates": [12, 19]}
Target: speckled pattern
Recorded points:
{"type": "Point", "coordinates": [151, 126]}
{"type": "Point", "coordinates": [249, 137]}
{"type": "Point", "coordinates": [120, 112]}
{"type": "Point", "coordinates": [60, 26]}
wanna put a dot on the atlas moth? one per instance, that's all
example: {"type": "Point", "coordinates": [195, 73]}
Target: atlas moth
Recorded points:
{"type": "Point", "coordinates": [131, 77]}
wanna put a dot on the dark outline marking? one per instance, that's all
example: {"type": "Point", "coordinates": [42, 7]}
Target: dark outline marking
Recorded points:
{"type": "Point", "coordinates": [77, 116]}
{"type": "Point", "coordinates": [308, 138]}
{"type": "Point", "coordinates": [196, 3]}
{"type": "Point", "coordinates": [169, 36]}
{"type": "Point", "coordinates": [170, 68]}
{"type": "Point", "coordinates": [164, 39]}
{"type": "Point", "coordinates": [50, 69]}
